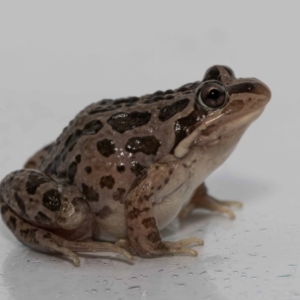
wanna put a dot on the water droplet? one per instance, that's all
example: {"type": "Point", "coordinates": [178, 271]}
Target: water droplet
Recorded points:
{"type": "Point", "coordinates": [136, 287]}
{"type": "Point", "coordinates": [254, 277]}
{"type": "Point", "coordinates": [181, 284]}
{"type": "Point", "coordinates": [218, 271]}
{"type": "Point", "coordinates": [285, 276]}
{"type": "Point", "coordinates": [175, 276]}
{"type": "Point", "coordinates": [190, 273]}
{"type": "Point", "coordinates": [107, 290]}
{"type": "Point", "coordinates": [292, 265]}
{"type": "Point", "coordinates": [94, 291]}
{"type": "Point", "coordinates": [263, 229]}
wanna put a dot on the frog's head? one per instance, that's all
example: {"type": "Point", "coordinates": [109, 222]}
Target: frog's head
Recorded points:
{"type": "Point", "coordinates": [224, 107]}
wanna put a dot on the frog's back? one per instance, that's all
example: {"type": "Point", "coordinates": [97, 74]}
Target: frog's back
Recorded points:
{"type": "Point", "coordinates": [122, 137]}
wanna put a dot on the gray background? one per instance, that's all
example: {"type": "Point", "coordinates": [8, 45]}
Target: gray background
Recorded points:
{"type": "Point", "coordinates": [58, 56]}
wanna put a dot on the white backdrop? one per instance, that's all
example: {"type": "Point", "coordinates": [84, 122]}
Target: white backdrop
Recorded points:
{"type": "Point", "coordinates": [58, 56]}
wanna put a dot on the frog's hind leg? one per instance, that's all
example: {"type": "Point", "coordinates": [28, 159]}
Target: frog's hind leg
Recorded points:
{"type": "Point", "coordinates": [45, 241]}
{"type": "Point", "coordinates": [202, 199]}
{"type": "Point", "coordinates": [35, 161]}
{"type": "Point", "coordinates": [48, 215]}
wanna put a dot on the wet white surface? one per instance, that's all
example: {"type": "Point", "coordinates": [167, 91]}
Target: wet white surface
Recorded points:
{"type": "Point", "coordinates": [57, 58]}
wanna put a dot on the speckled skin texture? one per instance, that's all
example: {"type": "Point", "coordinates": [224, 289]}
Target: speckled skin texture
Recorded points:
{"type": "Point", "coordinates": [125, 168]}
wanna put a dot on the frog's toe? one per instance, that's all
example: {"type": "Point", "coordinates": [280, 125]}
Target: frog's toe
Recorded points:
{"type": "Point", "coordinates": [178, 247]}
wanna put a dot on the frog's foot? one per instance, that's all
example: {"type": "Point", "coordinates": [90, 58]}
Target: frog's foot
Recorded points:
{"type": "Point", "coordinates": [178, 247]}
{"type": "Point", "coordinates": [45, 241]}
{"type": "Point", "coordinates": [202, 200]}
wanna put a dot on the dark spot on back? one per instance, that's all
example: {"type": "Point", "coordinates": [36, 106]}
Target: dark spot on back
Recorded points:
{"type": "Point", "coordinates": [137, 169]}
{"type": "Point", "coordinates": [126, 100]}
{"type": "Point", "coordinates": [35, 179]}
{"type": "Point", "coordinates": [107, 181]}
{"type": "Point", "coordinates": [105, 212]}
{"type": "Point", "coordinates": [78, 158]}
{"type": "Point", "coordinates": [119, 194]}
{"type": "Point", "coordinates": [72, 170]}
{"type": "Point", "coordinates": [90, 128]}
{"type": "Point", "coordinates": [104, 109]}
{"type": "Point", "coordinates": [90, 193]}
{"type": "Point", "coordinates": [122, 121]}
{"type": "Point", "coordinates": [88, 169]}
{"type": "Point", "coordinates": [51, 200]}
{"type": "Point", "coordinates": [169, 97]}
{"type": "Point", "coordinates": [168, 92]}
{"type": "Point", "coordinates": [169, 111]}
{"type": "Point", "coordinates": [106, 147]}
{"type": "Point", "coordinates": [121, 168]}
{"type": "Point", "coordinates": [146, 144]}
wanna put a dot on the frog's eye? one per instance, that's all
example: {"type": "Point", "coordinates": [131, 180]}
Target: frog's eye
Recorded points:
{"type": "Point", "coordinates": [212, 95]}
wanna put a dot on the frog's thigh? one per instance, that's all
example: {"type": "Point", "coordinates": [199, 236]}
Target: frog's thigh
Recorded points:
{"type": "Point", "coordinates": [142, 229]}
{"type": "Point", "coordinates": [201, 199]}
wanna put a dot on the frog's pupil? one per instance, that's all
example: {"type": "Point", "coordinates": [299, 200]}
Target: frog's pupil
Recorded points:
{"type": "Point", "coordinates": [214, 94]}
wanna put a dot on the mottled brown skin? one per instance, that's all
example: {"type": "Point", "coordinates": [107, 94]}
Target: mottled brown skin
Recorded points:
{"type": "Point", "coordinates": [127, 167]}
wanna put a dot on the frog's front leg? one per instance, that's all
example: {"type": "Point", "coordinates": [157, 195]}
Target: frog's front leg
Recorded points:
{"type": "Point", "coordinates": [142, 227]}
{"type": "Point", "coordinates": [201, 199]}
{"type": "Point", "coordinates": [49, 215]}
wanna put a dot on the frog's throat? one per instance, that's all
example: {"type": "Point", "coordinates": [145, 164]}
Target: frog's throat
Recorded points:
{"type": "Point", "coordinates": [242, 121]}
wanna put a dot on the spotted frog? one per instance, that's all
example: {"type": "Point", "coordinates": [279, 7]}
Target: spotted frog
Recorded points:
{"type": "Point", "coordinates": [123, 169]}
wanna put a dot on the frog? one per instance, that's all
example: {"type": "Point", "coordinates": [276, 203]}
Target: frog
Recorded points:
{"type": "Point", "coordinates": [122, 170]}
